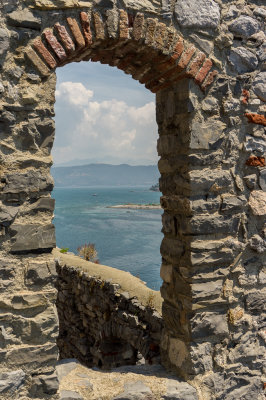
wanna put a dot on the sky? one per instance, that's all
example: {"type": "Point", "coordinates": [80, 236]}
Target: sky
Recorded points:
{"type": "Point", "coordinates": [103, 116]}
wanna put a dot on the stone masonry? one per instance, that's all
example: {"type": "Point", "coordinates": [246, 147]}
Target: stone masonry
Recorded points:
{"type": "Point", "coordinates": [101, 324]}
{"type": "Point", "coordinates": [205, 60]}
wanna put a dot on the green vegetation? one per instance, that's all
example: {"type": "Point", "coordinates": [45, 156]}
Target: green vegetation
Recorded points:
{"type": "Point", "coordinates": [64, 250]}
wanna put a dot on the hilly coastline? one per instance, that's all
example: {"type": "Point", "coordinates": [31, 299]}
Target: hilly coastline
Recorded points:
{"type": "Point", "coordinates": [105, 175]}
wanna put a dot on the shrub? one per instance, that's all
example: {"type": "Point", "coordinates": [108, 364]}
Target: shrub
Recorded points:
{"type": "Point", "coordinates": [64, 250]}
{"type": "Point", "coordinates": [88, 252]}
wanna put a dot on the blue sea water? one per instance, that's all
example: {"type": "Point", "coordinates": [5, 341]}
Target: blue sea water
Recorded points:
{"type": "Point", "coordinates": [125, 239]}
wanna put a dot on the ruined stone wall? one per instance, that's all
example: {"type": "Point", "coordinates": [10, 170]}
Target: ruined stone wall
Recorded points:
{"type": "Point", "coordinates": [205, 61]}
{"type": "Point", "coordinates": [103, 325]}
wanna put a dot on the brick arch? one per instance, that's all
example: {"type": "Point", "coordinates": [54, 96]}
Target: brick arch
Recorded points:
{"type": "Point", "coordinates": [153, 53]}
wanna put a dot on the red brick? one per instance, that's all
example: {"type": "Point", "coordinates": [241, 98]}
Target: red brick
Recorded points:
{"type": "Point", "coordinates": [255, 161]}
{"type": "Point", "coordinates": [195, 65]}
{"type": "Point", "coordinates": [151, 26]}
{"type": "Point", "coordinates": [246, 95]}
{"type": "Point", "coordinates": [138, 27]}
{"type": "Point", "coordinates": [104, 56]}
{"type": "Point", "coordinates": [124, 62]}
{"type": "Point", "coordinates": [76, 32]}
{"type": "Point", "coordinates": [55, 45]}
{"type": "Point", "coordinates": [186, 57]}
{"type": "Point", "coordinates": [256, 118]}
{"type": "Point", "coordinates": [46, 55]}
{"type": "Point", "coordinates": [178, 49]}
{"type": "Point", "coordinates": [37, 62]}
{"type": "Point", "coordinates": [99, 25]}
{"type": "Point", "coordinates": [168, 83]}
{"type": "Point", "coordinates": [143, 69]}
{"type": "Point", "coordinates": [123, 25]}
{"type": "Point", "coordinates": [85, 23]}
{"type": "Point", "coordinates": [65, 38]}
{"type": "Point", "coordinates": [203, 71]}
{"type": "Point", "coordinates": [208, 81]}
{"type": "Point", "coordinates": [167, 76]}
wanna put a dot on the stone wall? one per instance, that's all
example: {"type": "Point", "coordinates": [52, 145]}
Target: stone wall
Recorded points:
{"type": "Point", "coordinates": [205, 61]}
{"type": "Point", "coordinates": [100, 323]}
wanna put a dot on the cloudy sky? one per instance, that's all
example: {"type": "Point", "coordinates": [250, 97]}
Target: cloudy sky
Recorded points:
{"type": "Point", "coordinates": [103, 115]}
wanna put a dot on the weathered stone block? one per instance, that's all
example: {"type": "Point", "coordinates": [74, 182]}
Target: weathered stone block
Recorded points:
{"type": "Point", "coordinates": [204, 14]}
{"type": "Point", "coordinates": [207, 135]}
{"type": "Point", "coordinates": [24, 19]}
{"type": "Point", "coordinates": [179, 391]}
{"type": "Point", "coordinates": [207, 323]}
{"type": "Point", "coordinates": [40, 274]}
{"type": "Point", "coordinates": [31, 358]}
{"type": "Point", "coordinates": [4, 40]}
{"type": "Point", "coordinates": [243, 60]}
{"type": "Point", "coordinates": [27, 238]}
{"type": "Point", "coordinates": [257, 202]}
{"type": "Point", "coordinates": [244, 26]}
{"type": "Point", "coordinates": [259, 85]}
{"type": "Point", "coordinates": [10, 382]}
{"type": "Point", "coordinates": [255, 302]}
{"type": "Point", "coordinates": [47, 384]}
{"type": "Point", "coordinates": [30, 182]}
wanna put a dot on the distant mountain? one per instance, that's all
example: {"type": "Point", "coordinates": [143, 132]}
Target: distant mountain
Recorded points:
{"type": "Point", "coordinates": [105, 175]}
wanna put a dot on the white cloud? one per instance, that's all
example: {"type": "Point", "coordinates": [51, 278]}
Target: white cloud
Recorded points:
{"type": "Point", "coordinates": [74, 93]}
{"type": "Point", "coordinates": [105, 131]}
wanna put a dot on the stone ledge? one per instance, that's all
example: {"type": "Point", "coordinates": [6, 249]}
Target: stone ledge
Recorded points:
{"type": "Point", "coordinates": [127, 282]}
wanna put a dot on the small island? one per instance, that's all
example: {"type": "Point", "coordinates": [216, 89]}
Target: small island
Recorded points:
{"type": "Point", "coordinates": [138, 206]}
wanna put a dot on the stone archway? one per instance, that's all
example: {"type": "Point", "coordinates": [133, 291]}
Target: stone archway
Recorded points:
{"type": "Point", "coordinates": [211, 166]}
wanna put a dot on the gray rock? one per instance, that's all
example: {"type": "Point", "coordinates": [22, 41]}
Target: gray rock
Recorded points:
{"type": "Point", "coordinates": [64, 367]}
{"type": "Point", "coordinates": [43, 204]}
{"type": "Point", "coordinates": [11, 381]}
{"type": "Point", "coordinates": [4, 40]}
{"type": "Point", "coordinates": [261, 53]}
{"type": "Point", "coordinates": [2, 89]}
{"type": "Point", "coordinates": [259, 85]}
{"type": "Point", "coordinates": [135, 391]}
{"type": "Point", "coordinates": [31, 181]}
{"type": "Point", "coordinates": [204, 44]}
{"type": "Point", "coordinates": [7, 214]}
{"type": "Point", "coordinates": [207, 135]}
{"type": "Point", "coordinates": [257, 243]}
{"type": "Point", "coordinates": [244, 26]}
{"type": "Point", "coordinates": [206, 324]}
{"type": "Point", "coordinates": [40, 274]}
{"type": "Point", "coordinates": [255, 302]}
{"type": "Point", "coordinates": [70, 395]}
{"type": "Point", "coordinates": [24, 19]}
{"type": "Point", "coordinates": [202, 14]}
{"type": "Point", "coordinates": [260, 12]}
{"type": "Point", "coordinates": [251, 181]}
{"type": "Point", "coordinates": [256, 145]}
{"type": "Point", "coordinates": [179, 391]}
{"type": "Point", "coordinates": [262, 179]}
{"type": "Point", "coordinates": [48, 384]}
{"type": "Point", "coordinates": [166, 9]}
{"type": "Point", "coordinates": [243, 60]}
{"type": "Point", "coordinates": [32, 237]}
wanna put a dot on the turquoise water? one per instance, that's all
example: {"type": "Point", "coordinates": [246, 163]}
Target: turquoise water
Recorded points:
{"type": "Point", "coordinates": [125, 239]}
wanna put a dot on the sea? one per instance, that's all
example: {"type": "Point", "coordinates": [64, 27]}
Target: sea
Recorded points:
{"type": "Point", "coordinates": [127, 239]}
